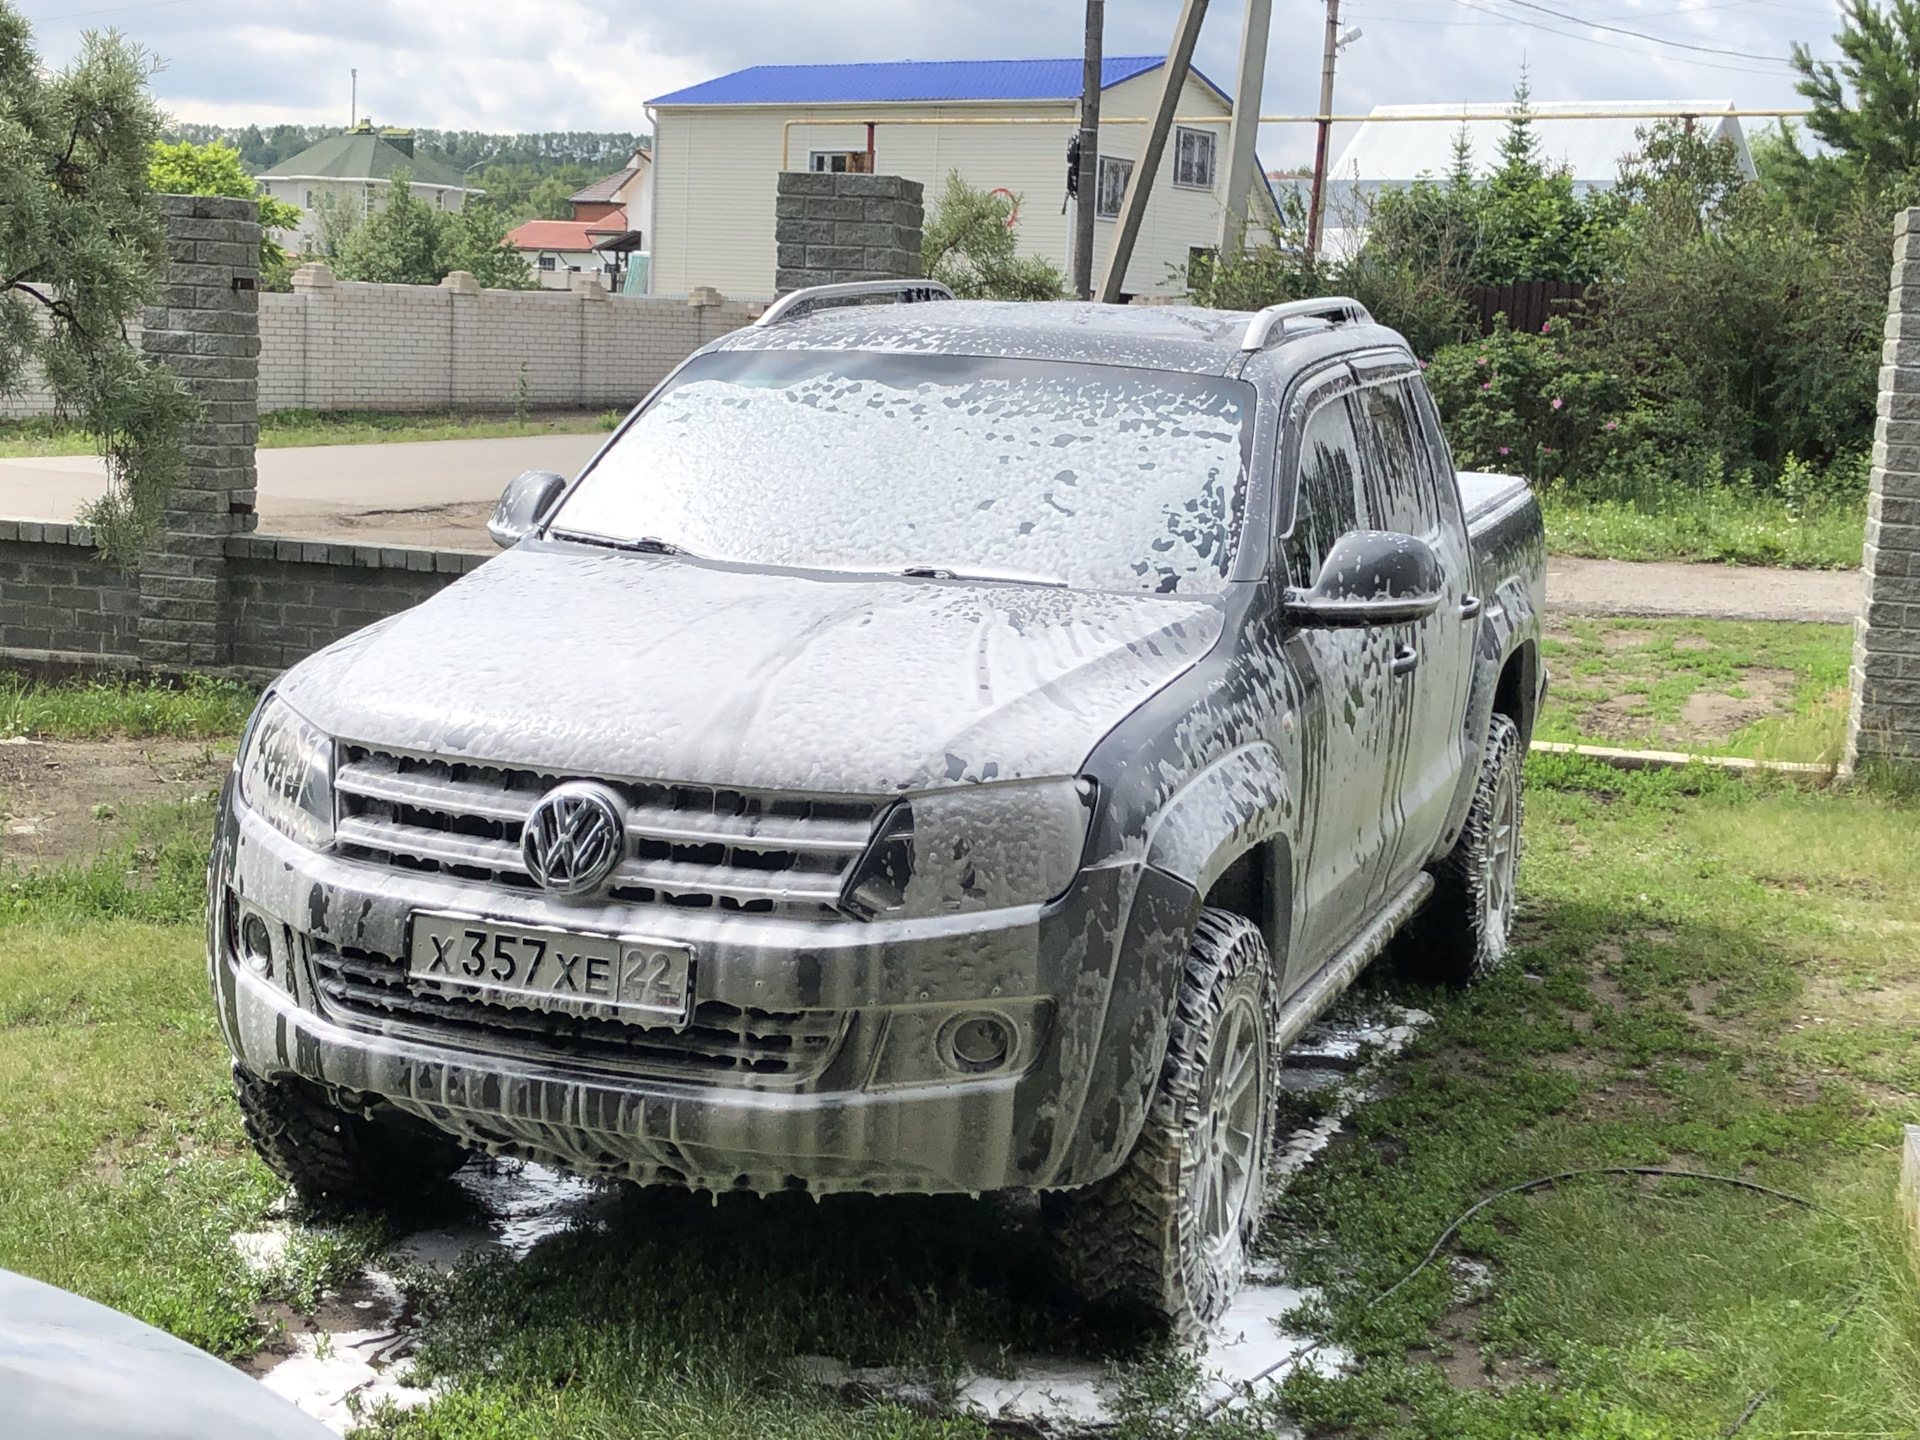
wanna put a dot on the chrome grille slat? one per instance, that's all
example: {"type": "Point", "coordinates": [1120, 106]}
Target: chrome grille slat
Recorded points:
{"type": "Point", "coordinates": [463, 797]}
{"type": "Point", "coordinates": [680, 879]}
{"type": "Point", "coordinates": [443, 846]}
{"type": "Point", "coordinates": [754, 832]}
{"type": "Point", "coordinates": [687, 845]}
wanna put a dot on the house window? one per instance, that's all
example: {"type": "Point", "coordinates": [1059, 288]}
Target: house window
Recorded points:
{"type": "Point", "coordinates": [547, 262]}
{"type": "Point", "coordinates": [1193, 158]}
{"type": "Point", "coordinates": [309, 200]}
{"type": "Point", "coordinates": [837, 162]}
{"type": "Point", "coordinates": [1114, 174]}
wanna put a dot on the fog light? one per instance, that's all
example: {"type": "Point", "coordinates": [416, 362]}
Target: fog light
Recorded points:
{"type": "Point", "coordinates": [256, 945]}
{"type": "Point", "coordinates": [976, 1043]}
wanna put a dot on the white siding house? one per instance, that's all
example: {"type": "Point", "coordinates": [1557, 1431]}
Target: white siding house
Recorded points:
{"type": "Point", "coordinates": [354, 171]}
{"type": "Point", "coordinates": [1003, 125]}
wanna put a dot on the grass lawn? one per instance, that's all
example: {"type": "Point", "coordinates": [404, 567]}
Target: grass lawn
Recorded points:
{"type": "Point", "coordinates": [1715, 525]}
{"type": "Point", "coordinates": [1714, 972]}
{"type": "Point", "coordinates": [280, 429]}
{"type": "Point", "coordinates": [1771, 691]}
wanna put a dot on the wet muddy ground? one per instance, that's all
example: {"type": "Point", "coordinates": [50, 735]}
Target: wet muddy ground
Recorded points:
{"type": "Point", "coordinates": [352, 1352]}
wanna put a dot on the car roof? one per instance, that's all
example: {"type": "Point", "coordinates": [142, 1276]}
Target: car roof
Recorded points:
{"type": "Point", "coordinates": [1157, 337]}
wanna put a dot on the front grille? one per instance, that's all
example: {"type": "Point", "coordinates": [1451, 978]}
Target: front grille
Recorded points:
{"type": "Point", "coordinates": [693, 846]}
{"type": "Point", "coordinates": [361, 986]}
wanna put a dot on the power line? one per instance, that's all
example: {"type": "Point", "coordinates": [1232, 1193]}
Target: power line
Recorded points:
{"type": "Point", "coordinates": [1642, 35]}
{"type": "Point", "coordinates": [111, 10]}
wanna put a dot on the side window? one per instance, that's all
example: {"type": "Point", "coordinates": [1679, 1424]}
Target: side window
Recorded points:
{"type": "Point", "coordinates": [1327, 504]}
{"type": "Point", "coordinates": [1400, 481]}
{"type": "Point", "coordinates": [1438, 451]}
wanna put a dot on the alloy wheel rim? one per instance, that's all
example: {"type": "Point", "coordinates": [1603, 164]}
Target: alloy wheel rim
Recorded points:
{"type": "Point", "coordinates": [1503, 859]}
{"type": "Point", "coordinates": [1229, 1130]}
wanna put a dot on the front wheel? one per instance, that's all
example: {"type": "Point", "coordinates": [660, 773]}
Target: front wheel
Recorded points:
{"type": "Point", "coordinates": [341, 1157]}
{"type": "Point", "coordinates": [1462, 934]}
{"type": "Point", "coordinates": [1169, 1232]}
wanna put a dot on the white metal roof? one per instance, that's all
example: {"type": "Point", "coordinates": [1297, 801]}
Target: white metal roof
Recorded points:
{"type": "Point", "coordinates": [1399, 151]}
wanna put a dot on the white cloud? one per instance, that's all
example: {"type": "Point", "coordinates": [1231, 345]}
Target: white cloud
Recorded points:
{"type": "Point", "coordinates": [569, 64]}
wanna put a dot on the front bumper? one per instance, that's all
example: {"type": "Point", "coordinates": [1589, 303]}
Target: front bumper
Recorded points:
{"type": "Point", "coordinates": [879, 1111]}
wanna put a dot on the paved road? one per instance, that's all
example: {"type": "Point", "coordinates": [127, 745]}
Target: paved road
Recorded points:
{"type": "Point", "coordinates": [439, 493]}
{"type": "Point", "coordinates": [434, 492]}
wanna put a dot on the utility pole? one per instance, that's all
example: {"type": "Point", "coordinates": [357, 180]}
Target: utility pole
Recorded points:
{"type": "Point", "coordinates": [353, 104]}
{"type": "Point", "coordinates": [1243, 136]}
{"type": "Point", "coordinates": [1319, 201]}
{"type": "Point", "coordinates": [1133, 209]}
{"type": "Point", "coordinates": [1087, 180]}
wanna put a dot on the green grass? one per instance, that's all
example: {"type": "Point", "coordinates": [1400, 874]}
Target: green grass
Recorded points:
{"type": "Point", "coordinates": [198, 708]}
{"type": "Point", "coordinates": [1713, 972]}
{"type": "Point", "coordinates": [279, 429]}
{"type": "Point", "coordinates": [123, 1170]}
{"type": "Point", "coordinates": [1676, 1000]}
{"type": "Point", "coordinates": [1726, 525]}
{"type": "Point", "coordinates": [1768, 691]}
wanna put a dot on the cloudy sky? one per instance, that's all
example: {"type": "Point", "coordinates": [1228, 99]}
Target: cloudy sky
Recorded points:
{"type": "Point", "coordinates": [571, 65]}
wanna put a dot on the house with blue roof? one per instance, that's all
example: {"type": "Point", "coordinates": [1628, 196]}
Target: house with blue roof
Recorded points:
{"type": "Point", "coordinates": [1004, 125]}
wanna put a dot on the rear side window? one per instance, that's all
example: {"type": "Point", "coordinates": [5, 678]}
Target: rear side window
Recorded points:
{"type": "Point", "coordinates": [1327, 503]}
{"type": "Point", "coordinates": [1401, 491]}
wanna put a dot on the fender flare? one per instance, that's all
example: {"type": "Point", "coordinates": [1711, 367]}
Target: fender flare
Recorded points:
{"type": "Point", "coordinates": [1240, 800]}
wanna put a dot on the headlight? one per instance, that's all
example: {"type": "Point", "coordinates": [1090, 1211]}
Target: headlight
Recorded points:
{"type": "Point", "coordinates": [985, 847]}
{"type": "Point", "coordinates": [286, 775]}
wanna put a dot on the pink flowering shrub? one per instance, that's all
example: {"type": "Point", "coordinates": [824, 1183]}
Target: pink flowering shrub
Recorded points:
{"type": "Point", "coordinates": [1517, 400]}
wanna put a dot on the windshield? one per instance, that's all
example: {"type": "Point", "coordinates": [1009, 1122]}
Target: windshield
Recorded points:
{"type": "Point", "coordinates": [1092, 476]}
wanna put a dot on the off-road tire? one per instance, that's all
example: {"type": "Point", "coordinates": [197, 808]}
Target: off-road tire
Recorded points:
{"type": "Point", "coordinates": [1136, 1240]}
{"type": "Point", "coordinates": [339, 1157]}
{"type": "Point", "coordinates": [1462, 934]}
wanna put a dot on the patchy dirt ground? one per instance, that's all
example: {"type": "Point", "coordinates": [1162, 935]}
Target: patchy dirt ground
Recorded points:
{"type": "Point", "coordinates": [61, 799]}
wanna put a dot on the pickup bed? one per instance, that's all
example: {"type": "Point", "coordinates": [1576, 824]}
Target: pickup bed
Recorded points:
{"type": "Point", "coordinates": [934, 746]}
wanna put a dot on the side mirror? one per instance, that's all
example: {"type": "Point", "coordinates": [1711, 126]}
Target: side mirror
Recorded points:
{"type": "Point", "coordinates": [1371, 577]}
{"type": "Point", "coordinates": [523, 504]}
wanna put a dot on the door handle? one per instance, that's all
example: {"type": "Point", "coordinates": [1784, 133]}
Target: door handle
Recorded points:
{"type": "Point", "coordinates": [1469, 606]}
{"type": "Point", "coordinates": [1404, 659]}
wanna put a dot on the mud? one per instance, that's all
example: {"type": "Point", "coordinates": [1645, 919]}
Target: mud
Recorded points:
{"type": "Point", "coordinates": [61, 801]}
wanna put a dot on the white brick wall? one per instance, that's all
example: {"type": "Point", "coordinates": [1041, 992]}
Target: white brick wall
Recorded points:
{"type": "Point", "coordinates": [345, 345]}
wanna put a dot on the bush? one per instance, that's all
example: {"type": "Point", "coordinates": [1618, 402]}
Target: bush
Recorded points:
{"type": "Point", "coordinates": [1528, 403]}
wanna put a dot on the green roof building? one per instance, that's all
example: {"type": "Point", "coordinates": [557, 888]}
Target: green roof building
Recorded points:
{"type": "Point", "coordinates": [351, 172]}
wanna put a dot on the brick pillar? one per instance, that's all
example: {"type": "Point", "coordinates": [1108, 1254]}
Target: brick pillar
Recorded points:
{"type": "Point", "coordinates": [1885, 720]}
{"type": "Point", "coordinates": [828, 228]}
{"type": "Point", "coordinates": [207, 330]}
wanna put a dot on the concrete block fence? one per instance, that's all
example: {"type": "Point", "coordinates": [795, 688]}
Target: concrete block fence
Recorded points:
{"type": "Point", "coordinates": [1885, 721]}
{"type": "Point", "coordinates": [829, 228]}
{"type": "Point", "coordinates": [348, 345]}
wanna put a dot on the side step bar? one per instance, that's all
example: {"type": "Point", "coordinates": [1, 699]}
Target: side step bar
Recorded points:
{"type": "Point", "coordinates": [1330, 981]}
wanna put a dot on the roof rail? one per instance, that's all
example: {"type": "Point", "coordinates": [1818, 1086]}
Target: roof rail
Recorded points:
{"type": "Point", "coordinates": [797, 303]}
{"type": "Point", "coordinates": [1328, 307]}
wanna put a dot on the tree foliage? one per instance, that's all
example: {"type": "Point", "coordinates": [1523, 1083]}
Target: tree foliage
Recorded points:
{"type": "Point", "coordinates": [1878, 134]}
{"type": "Point", "coordinates": [82, 247]}
{"type": "Point", "coordinates": [405, 241]}
{"type": "Point", "coordinates": [970, 246]}
{"type": "Point", "coordinates": [184, 168]}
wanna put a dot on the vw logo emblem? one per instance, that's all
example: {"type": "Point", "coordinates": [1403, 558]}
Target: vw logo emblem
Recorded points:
{"type": "Point", "coordinates": [575, 835]}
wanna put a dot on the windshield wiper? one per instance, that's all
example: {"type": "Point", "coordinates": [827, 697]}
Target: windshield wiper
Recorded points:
{"type": "Point", "coordinates": [1011, 577]}
{"type": "Point", "coordinates": [639, 544]}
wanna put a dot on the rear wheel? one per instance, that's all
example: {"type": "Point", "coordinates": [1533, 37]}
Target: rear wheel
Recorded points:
{"type": "Point", "coordinates": [341, 1157]}
{"type": "Point", "coordinates": [1462, 934]}
{"type": "Point", "coordinates": [1169, 1232]}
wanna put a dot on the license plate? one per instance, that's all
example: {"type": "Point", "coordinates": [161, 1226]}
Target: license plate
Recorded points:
{"type": "Point", "coordinates": [608, 977]}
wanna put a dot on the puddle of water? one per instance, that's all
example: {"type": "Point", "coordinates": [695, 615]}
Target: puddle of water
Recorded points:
{"type": "Point", "coordinates": [519, 1204]}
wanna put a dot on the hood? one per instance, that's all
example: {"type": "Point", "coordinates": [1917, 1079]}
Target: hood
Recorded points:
{"type": "Point", "coordinates": [649, 667]}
